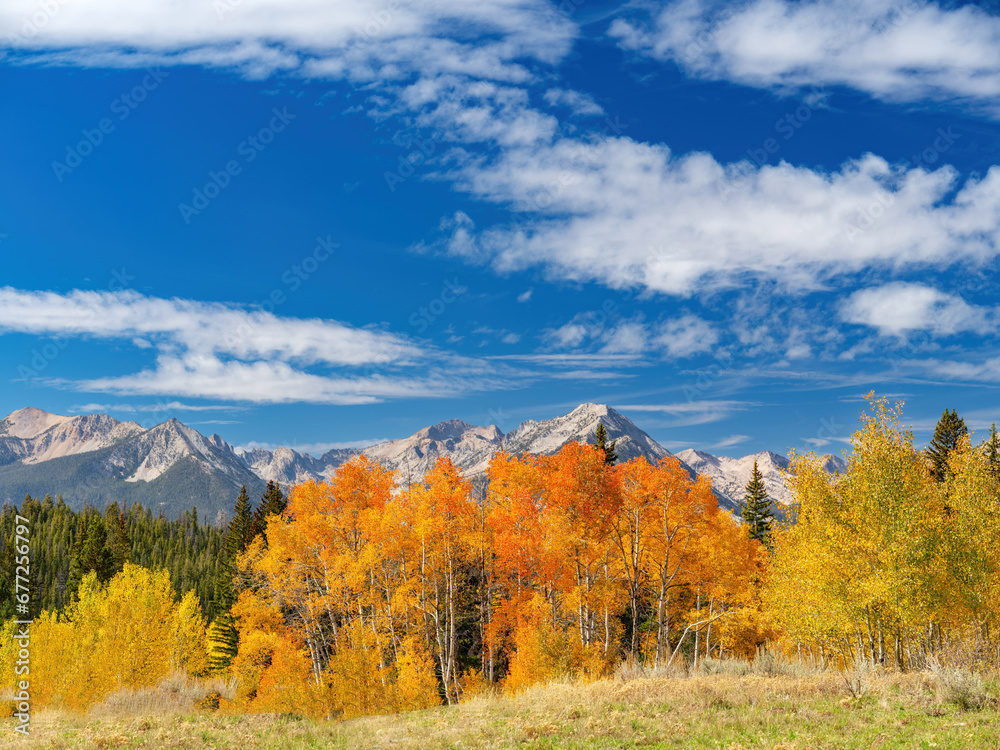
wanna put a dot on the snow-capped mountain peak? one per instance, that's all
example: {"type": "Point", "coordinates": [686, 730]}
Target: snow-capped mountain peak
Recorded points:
{"type": "Point", "coordinates": [170, 467]}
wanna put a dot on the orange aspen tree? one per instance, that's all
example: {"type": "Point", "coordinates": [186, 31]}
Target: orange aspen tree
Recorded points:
{"type": "Point", "coordinates": [683, 508]}
{"type": "Point", "coordinates": [522, 562]}
{"type": "Point", "coordinates": [583, 499]}
{"type": "Point", "coordinates": [632, 537]}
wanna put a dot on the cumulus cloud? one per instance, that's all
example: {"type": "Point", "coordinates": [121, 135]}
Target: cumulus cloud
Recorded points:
{"type": "Point", "coordinates": [896, 51]}
{"type": "Point", "coordinates": [635, 215]}
{"type": "Point", "coordinates": [686, 336]}
{"type": "Point", "coordinates": [900, 307]}
{"type": "Point", "coordinates": [577, 102]}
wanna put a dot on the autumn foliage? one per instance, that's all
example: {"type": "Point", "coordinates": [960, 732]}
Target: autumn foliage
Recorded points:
{"type": "Point", "coordinates": [370, 598]}
{"type": "Point", "coordinates": [885, 564]}
{"type": "Point", "coordinates": [128, 633]}
{"type": "Point", "coordinates": [363, 597]}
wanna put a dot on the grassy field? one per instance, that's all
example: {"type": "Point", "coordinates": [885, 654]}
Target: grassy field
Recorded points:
{"type": "Point", "coordinates": [722, 710]}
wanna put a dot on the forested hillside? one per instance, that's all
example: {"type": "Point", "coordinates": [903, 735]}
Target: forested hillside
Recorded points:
{"type": "Point", "coordinates": [188, 548]}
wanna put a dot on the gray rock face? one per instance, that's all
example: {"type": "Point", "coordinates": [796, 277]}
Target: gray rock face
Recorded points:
{"type": "Point", "coordinates": [171, 467]}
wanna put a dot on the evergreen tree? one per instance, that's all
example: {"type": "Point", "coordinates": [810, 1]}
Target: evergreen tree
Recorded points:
{"type": "Point", "coordinates": [756, 508]}
{"type": "Point", "coordinates": [119, 543]}
{"type": "Point", "coordinates": [272, 503]}
{"type": "Point", "coordinates": [243, 527]}
{"type": "Point", "coordinates": [601, 442]}
{"type": "Point", "coordinates": [993, 451]}
{"type": "Point", "coordinates": [224, 639]}
{"type": "Point", "coordinates": [950, 429]}
{"type": "Point", "coordinates": [90, 554]}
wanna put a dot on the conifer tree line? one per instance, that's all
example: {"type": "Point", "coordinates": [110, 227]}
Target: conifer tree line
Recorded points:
{"type": "Point", "coordinates": [66, 545]}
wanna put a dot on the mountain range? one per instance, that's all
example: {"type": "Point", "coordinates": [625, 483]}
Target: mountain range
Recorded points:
{"type": "Point", "coordinates": [96, 459]}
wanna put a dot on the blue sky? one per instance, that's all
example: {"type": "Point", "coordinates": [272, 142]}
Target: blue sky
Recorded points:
{"type": "Point", "coordinates": [309, 223]}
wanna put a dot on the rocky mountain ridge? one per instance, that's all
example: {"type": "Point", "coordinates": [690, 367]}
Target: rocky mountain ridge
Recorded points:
{"type": "Point", "coordinates": [171, 467]}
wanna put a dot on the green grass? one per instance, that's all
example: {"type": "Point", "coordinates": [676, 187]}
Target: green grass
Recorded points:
{"type": "Point", "coordinates": [705, 711]}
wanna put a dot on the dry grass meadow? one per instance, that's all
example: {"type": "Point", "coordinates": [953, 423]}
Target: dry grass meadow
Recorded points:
{"type": "Point", "coordinates": [722, 705]}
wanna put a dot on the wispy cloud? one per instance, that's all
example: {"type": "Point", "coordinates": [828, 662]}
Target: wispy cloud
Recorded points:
{"type": "Point", "coordinates": [158, 407]}
{"type": "Point", "coordinates": [204, 328]}
{"type": "Point", "coordinates": [689, 413]}
{"type": "Point", "coordinates": [896, 51]}
{"type": "Point", "coordinates": [225, 352]}
{"type": "Point", "coordinates": [729, 441]}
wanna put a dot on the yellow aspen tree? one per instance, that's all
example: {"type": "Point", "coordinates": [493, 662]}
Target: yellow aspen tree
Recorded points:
{"type": "Point", "coordinates": [190, 639]}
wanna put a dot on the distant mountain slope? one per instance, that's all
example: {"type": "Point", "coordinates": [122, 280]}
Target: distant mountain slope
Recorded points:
{"type": "Point", "coordinates": [171, 467]}
{"type": "Point", "coordinates": [549, 435]}
{"type": "Point", "coordinates": [96, 459]}
{"type": "Point", "coordinates": [731, 475]}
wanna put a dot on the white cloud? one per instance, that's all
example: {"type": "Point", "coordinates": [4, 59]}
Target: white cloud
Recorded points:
{"type": "Point", "coordinates": [689, 413]}
{"type": "Point", "coordinates": [896, 51]}
{"type": "Point", "coordinates": [628, 337]}
{"type": "Point", "coordinates": [686, 336]}
{"type": "Point", "coordinates": [158, 407]}
{"type": "Point", "coordinates": [577, 102]}
{"type": "Point", "coordinates": [899, 307]}
{"type": "Point", "coordinates": [986, 371]}
{"type": "Point", "coordinates": [204, 328]}
{"type": "Point", "coordinates": [357, 39]}
{"type": "Point", "coordinates": [731, 440]}
{"type": "Point", "coordinates": [629, 214]}
{"type": "Point", "coordinates": [276, 382]}
{"type": "Point", "coordinates": [510, 338]}
{"type": "Point", "coordinates": [224, 352]}
{"type": "Point", "coordinates": [524, 296]}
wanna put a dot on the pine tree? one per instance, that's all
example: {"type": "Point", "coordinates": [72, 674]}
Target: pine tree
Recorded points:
{"type": "Point", "coordinates": [120, 544]}
{"type": "Point", "coordinates": [224, 639]}
{"type": "Point", "coordinates": [90, 554]}
{"type": "Point", "coordinates": [756, 508]}
{"type": "Point", "coordinates": [272, 503]}
{"type": "Point", "coordinates": [950, 429]}
{"type": "Point", "coordinates": [601, 442]}
{"type": "Point", "coordinates": [993, 451]}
